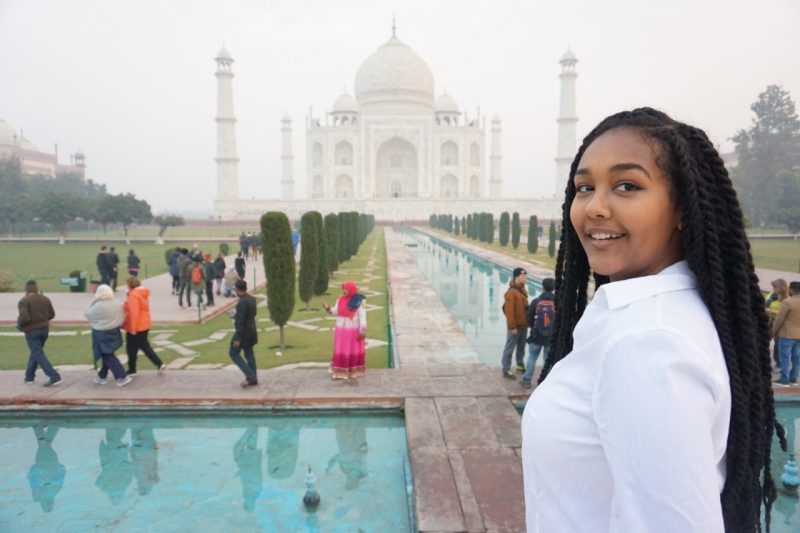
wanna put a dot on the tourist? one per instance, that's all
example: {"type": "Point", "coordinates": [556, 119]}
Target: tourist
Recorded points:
{"type": "Point", "coordinates": [219, 271]}
{"type": "Point", "coordinates": [103, 265]}
{"type": "Point", "coordinates": [172, 262]}
{"type": "Point", "coordinates": [137, 326]}
{"type": "Point", "coordinates": [238, 264]}
{"type": "Point", "coordinates": [184, 272]}
{"type": "Point", "coordinates": [105, 316]}
{"type": "Point", "coordinates": [515, 308]}
{"type": "Point", "coordinates": [254, 242]}
{"type": "Point", "coordinates": [113, 267]}
{"type": "Point", "coordinates": [196, 255]}
{"type": "Point", "coordinates": [46, 474]}
{"type": "Point", "coordinates": [780, 291]}
{"type": "Point", "coordinates": [197, 278]}
{"type": "Point", "coordinates": [541, 316]}
{"type": "Point", "coordinates": [210, 273]}
{"type": "Point", "coordinates": [654, 410]}
{"type": "Point", "coordinates": [35, 314]}
{"type": "Point", "coordinates": [231, 277]}
{"type": "Point", "coordinates": [133, 263]}
{"type": "Point", "coordinates": [243, 244]}
{"type": "Point", "coordinates": [245, 335]}
{"type": "Point", "coordinates": [786, 330]}
{"type": "Point", "coordinates": [350, 333]}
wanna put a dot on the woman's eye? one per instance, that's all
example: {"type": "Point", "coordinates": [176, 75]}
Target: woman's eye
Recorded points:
{"type": "Point", "coordinates": [583, 187]}
{"type": "Point", "coordinates": [627, 187]}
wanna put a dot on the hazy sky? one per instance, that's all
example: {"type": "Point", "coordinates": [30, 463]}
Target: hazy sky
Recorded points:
{"type": "Point", "coordinates": [132, 83]}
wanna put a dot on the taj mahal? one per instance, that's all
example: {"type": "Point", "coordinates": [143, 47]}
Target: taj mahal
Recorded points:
{"type": "Point", "coordinates": [392, 149]}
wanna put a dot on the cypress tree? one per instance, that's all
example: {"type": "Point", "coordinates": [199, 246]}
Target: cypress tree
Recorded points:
{"type": "Point", "coordinates": [432, 221]}
{"type": "Point", "coordinates": [456, 228]}
{"type": "Point", "coordinates": [344, 247]}
{"type": "Point", "coordinates": [533, 234]}
{"type": "Point", "coordinates": [276, 241]}
{"type": "Point", "coordinates": [321, 283]}
{"type": "Point", "coordinates": [468, 227]}
{"type": "Point", "coordinates": [332, 241]}
{"type": "Point", "coordinates": [490, 228]}
{"type": "Point", "coordinates": [309, 257]}
{"type": "Point", "coordinates": [551, 246]}
{"type": "Point", "coordinates": [504, 228]}
{"type": "Point", "coordinates": [515, 230]}
{"type": "Point", "coordinates": [354, 243]}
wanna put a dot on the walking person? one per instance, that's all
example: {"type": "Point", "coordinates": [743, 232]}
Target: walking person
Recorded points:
{"type": "Point", "coordinates": [137, 326]}
{"type": "Point", "coordinates": [35, 313]}
{"type": "Point", "coordinates": [655, 409]}
{"type": "Point", "coordinates": [184, 273]}
{"type": "Point", "coordinates": [113, 267]}
{"type": "Point", "coordinates": [349, 336]}
{"type": "Point", "coordinates": [219, 271]}
{"type": "Point", "coordinates": [780, 291]}
{"type": "Point", "coordinates": [103, 265]}
{"type": "Point", "coordinates": [210, 274]}
{"type": "Point", "coordinates": [197, 277]}
{"type": "Point", "coordinates": [172, 262]}
{"type": "Point", "coordinates": [238, 264]}
{"type": "Point", "coordinates": [245, 335]}
{"type": "Point", "coordinates": [105, 316]}
{"type": "Point", "coordinates": [243, 244]}
{"type": "Point", "coordinates": [515, 308]}
{"type": "Point", "coordinates": [786, 331]}
{"type": "Point", "coordinates": [133, 264]}
{"type": "Point", "coordinates": [541, 317]}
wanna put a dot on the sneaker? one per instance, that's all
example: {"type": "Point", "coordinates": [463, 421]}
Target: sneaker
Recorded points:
{"type": "Point", "coordinates": [247, 383]}
{"type": "Point", "coordinates": [509, 374]}
{"type": "Point", "coordinates": [27, 382]}
{"type": "Point", "coordinates": [792, 382]}
{"type": "Point", "coordinates": [777, 383]}
{"type": "Point", "coordinates": [525, 383]}
{"type": "Point", "coordinates": [162, 368]}
{"type": "Point", "coordinates": [520, 369]}
{"type": "Point", "coordinates": [132, 374]}
{"type": "Point", "coordinates": [123, 382]}
{"type": "Point", "coordinates": [53, 382]}
{"type": "Point", "coordinates": [99, 381]}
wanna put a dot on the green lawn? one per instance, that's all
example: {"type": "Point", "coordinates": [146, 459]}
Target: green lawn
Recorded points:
{"type": "Point", "coordinates": [303, 345]}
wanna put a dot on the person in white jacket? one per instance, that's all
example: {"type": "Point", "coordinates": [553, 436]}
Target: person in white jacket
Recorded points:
{"type": "Point", "coordinates": [105, 316]}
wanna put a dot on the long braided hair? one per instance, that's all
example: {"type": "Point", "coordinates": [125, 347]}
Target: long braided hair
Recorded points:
{"type": "Point", "coordinates": [715, 245]}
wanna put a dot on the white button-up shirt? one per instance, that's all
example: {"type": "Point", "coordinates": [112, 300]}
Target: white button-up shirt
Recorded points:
{"type": "Point", "coordinates": [628, 433]}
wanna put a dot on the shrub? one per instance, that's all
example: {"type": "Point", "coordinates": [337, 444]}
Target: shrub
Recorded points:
{"type": "Point", "coordinates": [332, 241]}
{"type": "Point", "coordinates": [6, 281]}
{"type": "Point", "coordinates": [515, 230]}
{"type": "Point", "coordinates": [321, 283]}
{"type": "Point", "coordinates": [551, 246]}
{"type": "Point", "coordinates": [533, 234]}
{"type": "Point", "coordinates": [224, 248]}
{"type": "Point", "coordinates": [276, 239]}
{"type": "Point", "coordinates": [504, 228]}
{"type": "Point", "coordinates": [309, 257]}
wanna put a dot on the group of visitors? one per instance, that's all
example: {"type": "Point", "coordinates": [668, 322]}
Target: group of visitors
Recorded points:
{"type": "Point", "coordinates": [250, 245]}
{"type": "Point", "coordinates": [108, 265]}
{"type": "Point", "coordinates": [783, 308]}
{"type": "Point", "coordinates": [194, 272]}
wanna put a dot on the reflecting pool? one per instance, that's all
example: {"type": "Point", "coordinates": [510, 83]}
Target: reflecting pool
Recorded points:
{"type": "Point", "coordinates": [786, 510]}
{"type": "Point", "coordinates": [222, 472]}
{"type": "Point", "coordinates": [471, 288]}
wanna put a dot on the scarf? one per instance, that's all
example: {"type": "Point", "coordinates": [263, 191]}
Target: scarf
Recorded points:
{"type": "Point", "coordinates": [348, 303]}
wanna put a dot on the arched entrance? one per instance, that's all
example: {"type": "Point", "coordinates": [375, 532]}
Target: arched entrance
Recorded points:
{"type": "Point", "coordinates": [449, 187]}
{"type": "Point", "coordinates": [344, 186]}
{"type": "Point", "coordinates": [396, 172]}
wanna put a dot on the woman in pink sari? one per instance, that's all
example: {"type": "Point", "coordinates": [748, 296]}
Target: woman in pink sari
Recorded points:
{"type": "Point", "coordinates": [350, 333]}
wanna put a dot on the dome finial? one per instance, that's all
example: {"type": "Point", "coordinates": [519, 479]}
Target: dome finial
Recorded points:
{"type": "Point", "coordinates": [394, 27]}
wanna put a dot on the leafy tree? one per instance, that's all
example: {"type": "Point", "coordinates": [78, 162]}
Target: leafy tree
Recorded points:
{"type": "Point", "coordinates": [515, 230]}
{"type": "Point", "coordinates": [15, 209]}
{"type": "Point", "coordinates": [11, 179]}
{"type": "Point", "coordinates": [790, 217]}
{"type": "Point", "coordinates": [59, 209]}
{"type": "Point", "coordinates": [332, 242]}
{"type": "Point", "coordinates": [321, 283]}
{"type": "Point", "coordinates": [276, 240]}
{"type": "Point", "coordinates": [104, 211]}
{"type": "Point", "coordinates": [309, 257]}
{"type": "Point", "coordinates": [505, 222]}
{"type": "Point", "coordinates": [767, 176]}
{"type": "Point", "coordinates": [167, 220]}
{"type": "Point", "coordinates": [533, 234]}
{"type": "Point", "coordinates": [551, 246]}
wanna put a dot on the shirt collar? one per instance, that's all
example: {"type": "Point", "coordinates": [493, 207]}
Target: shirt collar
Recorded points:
{"type": "Point", "coordinates": [675, 277]}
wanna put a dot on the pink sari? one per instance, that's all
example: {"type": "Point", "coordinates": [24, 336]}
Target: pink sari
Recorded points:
{"type": "Point", "coordinates": [349, 350]}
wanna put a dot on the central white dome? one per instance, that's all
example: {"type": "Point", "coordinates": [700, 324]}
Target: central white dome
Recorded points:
{"type": "Point", "coordinates": [394, 76]}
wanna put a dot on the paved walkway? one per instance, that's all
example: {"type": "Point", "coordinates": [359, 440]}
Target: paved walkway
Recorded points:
{"type": "Point", "coordinates": [164, 309]}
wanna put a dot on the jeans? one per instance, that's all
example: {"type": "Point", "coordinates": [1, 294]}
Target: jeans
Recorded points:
{"type": "Point", "coordinates": [790, 350]}
{"type": "Point", "coordinates": [184, 288]}
{"type": "Point", "coordinates": [110, 362]}
{"type": "Point", "coordinates": [210, 292]}
{"type": "Point", "coordinates": [36, 340]}
{"type": "Point", "coordinates": [533, 355]}
{"type": "Point", "coordinates": [514, 341]}
{"type": "Point", "coordinates": [219, 285]}
{"type": "Point", "coordinates": [134, 343]}
{"type": "Point", "coordinates": [248, 368]}
{"type": "Point", "coordinates": [176, 282]}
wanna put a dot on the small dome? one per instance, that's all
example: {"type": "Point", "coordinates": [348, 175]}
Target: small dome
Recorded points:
{"type": "Point", "coordinates": [445, 104]}
{"type": "Point", "coordinates": [25, 144]}
{"type": "Point", "coordinates": [345, 104]}
{"type": "Point", "coordinates": [224, 54]}
{"type": "Point", "coordinates": [395, 76]}
{"type": "Point", "coordinates": [7, 133]}
{"type": "Point", "coordinates": [568, 57]}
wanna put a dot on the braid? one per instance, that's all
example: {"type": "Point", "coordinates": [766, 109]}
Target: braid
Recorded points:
{"type": "Point", "coordinates": [717, 250]}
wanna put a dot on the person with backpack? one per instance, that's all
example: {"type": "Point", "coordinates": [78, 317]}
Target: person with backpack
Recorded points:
{"type": "Point", "coordinates": [197, 277]}
{"type": "Point", "coordinates": [515, 308]}
{"type": "Point", "coordinates": [210, 273]}
{"type": "Point", "coordinates": [541, 314]}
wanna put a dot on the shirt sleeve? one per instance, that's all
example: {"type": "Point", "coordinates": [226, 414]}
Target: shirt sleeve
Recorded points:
{"type": "Point", "coordinates": [335, 308]}
{"type": "Point", "coordinates": [362, 318]}
{"type": "Point", "coordinates": [655, 407]}
{"type": "Point", "coordinates": [784, 310]}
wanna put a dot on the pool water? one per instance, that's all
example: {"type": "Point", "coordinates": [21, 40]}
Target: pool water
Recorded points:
{"type": "Point", "coordinates": [786, 509]}
{"type": "Point", "coordinates": [220, 472]}
{"type": "Point", "coordinates": [471, 288]}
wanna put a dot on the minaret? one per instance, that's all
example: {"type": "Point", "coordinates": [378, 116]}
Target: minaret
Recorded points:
{"type": "Point", "coordinates": [227, 161]}
{"type": "Point", "coordinates": [495, 161]}
{"type": "Point", "coordinates": [287, 160]}
{"type": "Point", "coordinates": [567, 121]}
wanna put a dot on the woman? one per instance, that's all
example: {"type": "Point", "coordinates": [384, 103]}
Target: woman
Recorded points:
{"type": "Point", "coordinates": [655, 409]}
{"type": "Point", "coordinates": [105, 316]}
{"type": "Point", "coordinates": [219, 271]}
{"type": "Point", "coordinates": [133, 264]}
{"type": "Point", "coordinates": [780, 291]}
{"type": "Point", "coordinates": [137, 326]}
{"type": "Point", "coordinates": [350, 333]}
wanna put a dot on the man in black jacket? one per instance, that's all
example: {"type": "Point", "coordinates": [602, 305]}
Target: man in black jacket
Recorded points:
{"type": "Point", "coordinates": [35, 314]}
{"type": "Point", "coordinates": [103, 266]}
{"type": "Point", "coordinates": [246, 335]}
{"type": "Point", "coordinates": [540, 319]}
{"type": "Point", "coordinates": [113, 268]}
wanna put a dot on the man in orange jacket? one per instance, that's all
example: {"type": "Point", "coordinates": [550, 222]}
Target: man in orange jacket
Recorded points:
{"type": "Point", "coordinates": [515, 309]}
{"type": "Point", "coordinates": [137, 326]}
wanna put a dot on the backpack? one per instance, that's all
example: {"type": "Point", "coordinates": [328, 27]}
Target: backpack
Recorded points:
{"type": "Point", "coordinates": [197, 276]}
{"type": "Point", "coordinates": [545, 313]}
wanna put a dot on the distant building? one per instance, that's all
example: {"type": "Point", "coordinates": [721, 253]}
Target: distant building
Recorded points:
{"type": "Point", "coordinates": [33, 160]}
